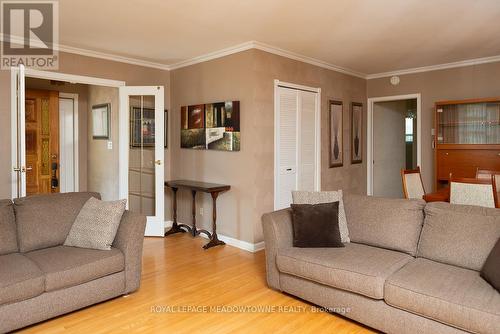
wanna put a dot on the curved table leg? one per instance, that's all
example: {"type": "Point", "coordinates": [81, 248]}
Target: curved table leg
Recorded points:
{"type": "Point", "coordinates": [214, 240]}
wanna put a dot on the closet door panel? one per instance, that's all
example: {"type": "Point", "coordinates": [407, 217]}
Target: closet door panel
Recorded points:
{"type": "Point", "coordinates": [287, 146]}
{"type": "Point", "coordinates": [307, 141]}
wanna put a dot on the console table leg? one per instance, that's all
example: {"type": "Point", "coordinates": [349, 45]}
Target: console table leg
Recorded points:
{"type": "Point", "coordinates": [176, 228]}
{"type": "Point", "coordinates": [214, 240]}
{"type": "Point", "coordinates": [194, 231]}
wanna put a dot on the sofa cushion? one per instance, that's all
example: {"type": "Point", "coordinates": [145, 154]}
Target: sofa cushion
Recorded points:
{"type": "Point", "coordinates": [318, 197]}
{"type": "Point", "coordinates": [69, 266]}
{"type": "Point", "coordinates": [460, 235]}
{"type": "Point", "coordinates": [357, 268]}
{"type": "Point", "coordinates": [491, 269]}
{"type": "Point", "coordinates": [96, 225]}
{"type": "Point", "coordinates": [452, 295]}
{"type": "Point", "coordinates": [45, 220]}
{"type": "Point", "coordinates": [20, 278]}
{"type": "Point", "coordinates": [316, 225]}
{"type": "Point", "coordinates": [384, 222]}
{"type": "Point", "coordinates": [8, 234]}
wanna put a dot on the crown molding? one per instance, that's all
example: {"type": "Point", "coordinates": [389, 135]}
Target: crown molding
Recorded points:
{"type": "Point", "coordinates": [306, 59]}
{"type": "Point", "coordinates": [267, 48]}
{"type": "Point", "coordinates": [462, 63]}
{"type": "Point", "coordinates": [263, 47]}
{"type": "Point", "coordinates": [97, 54]}
{"type": "Point", "coordinates": [213, 55]}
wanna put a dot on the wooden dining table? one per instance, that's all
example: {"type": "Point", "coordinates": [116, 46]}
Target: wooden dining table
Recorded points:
{"type": "Point", "coordinates": [441, 195]}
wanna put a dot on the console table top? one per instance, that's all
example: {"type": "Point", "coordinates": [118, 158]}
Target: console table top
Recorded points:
{"type": "Point", "coordinates": [198, 185]}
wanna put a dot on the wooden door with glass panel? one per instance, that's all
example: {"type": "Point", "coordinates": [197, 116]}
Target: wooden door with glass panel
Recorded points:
{"type": "Point", "coordinates": [42, 141]}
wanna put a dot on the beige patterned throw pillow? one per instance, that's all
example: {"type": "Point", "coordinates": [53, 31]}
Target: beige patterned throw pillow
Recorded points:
{"type": "Point", "coordinates": [317, 197]}
{"type": "Point", "coordinates": [96, 225]}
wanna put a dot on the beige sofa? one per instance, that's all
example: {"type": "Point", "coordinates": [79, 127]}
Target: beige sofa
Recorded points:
{"type": "Point", "coordinates": [411, 267]}
{"type": "Point", "coordinates": [41, 279]}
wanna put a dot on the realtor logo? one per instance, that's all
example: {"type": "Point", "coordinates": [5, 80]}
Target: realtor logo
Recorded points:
{"type": "Point", "coordinates": [30, 31]}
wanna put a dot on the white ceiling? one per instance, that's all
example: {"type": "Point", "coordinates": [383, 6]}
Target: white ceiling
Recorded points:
{"type": "Point", "coordinates": [366, 36]}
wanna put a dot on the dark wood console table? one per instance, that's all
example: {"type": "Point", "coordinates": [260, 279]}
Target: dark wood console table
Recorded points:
{"type": "Point", "coordinates": [195, 186]}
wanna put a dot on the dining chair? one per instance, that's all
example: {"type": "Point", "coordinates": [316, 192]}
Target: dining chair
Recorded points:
{"type": "Point", "coordinates": [413, 187]}
{"type": "Point", "coordinates": [479, 191]}
{"type": "Point", "coordinates": [487, 174]}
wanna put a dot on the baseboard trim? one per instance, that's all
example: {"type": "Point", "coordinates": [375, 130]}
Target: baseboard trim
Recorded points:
{"type": "Point", "coordinates": [244, 245]}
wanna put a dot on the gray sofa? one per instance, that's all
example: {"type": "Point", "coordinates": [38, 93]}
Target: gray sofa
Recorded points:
{"type": "Point", "coordinates": [40, 278]}
{"type": "Point", "coordinates": [411, 267]}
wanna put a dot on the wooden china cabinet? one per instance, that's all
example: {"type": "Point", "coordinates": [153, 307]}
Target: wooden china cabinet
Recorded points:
{"type": "Point", "coordinates": [467, 138]}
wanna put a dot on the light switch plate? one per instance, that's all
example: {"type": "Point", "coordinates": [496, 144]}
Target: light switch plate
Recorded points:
{"type": "Point", "coordinates": [110, 145]}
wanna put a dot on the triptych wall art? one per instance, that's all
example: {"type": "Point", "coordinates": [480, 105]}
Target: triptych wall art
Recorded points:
{"type": "Point", "coordinates": [336, 130]}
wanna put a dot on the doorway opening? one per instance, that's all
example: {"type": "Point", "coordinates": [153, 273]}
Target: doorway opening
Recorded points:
{"type": "Point", "coordinates": [58, 148]}
{"type": "Point", "coordinates": [393, 142]}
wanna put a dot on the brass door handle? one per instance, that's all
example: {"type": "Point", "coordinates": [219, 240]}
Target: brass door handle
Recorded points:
{"type": "Point", "coordinates": [158, 162]}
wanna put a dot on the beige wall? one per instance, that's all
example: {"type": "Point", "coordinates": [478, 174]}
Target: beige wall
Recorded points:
{"type": "Point", "coordinates": [82, 91]}
{"type": "Point", "coordinates": [249, 77]}
{"type": "Point", "coordinates": [456, 83]}
{"type": "Point", "coordinates": [102, 164]}
{"type": "Point", "coordinates": [80, 65]}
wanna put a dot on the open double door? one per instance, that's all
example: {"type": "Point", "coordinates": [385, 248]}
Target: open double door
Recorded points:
{"type": "Point", "coordinates": [140, 174]}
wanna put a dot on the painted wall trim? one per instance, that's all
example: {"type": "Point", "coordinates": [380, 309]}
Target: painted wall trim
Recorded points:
{"type": "Point", "coordinates": [462, 63]}
{"type": "Point", "coordinates": [244, 245]}
{"type": "Point", "coordinates": [369, 136]}
{"type": "Point", "coordinates": [267, 48]}
{"type": "Point", "coordinates": [72, 78]}
{"type": "Point", "coordinates": [97, 54]}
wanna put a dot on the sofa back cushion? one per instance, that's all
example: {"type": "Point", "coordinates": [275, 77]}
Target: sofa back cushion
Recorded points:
{"type": "Point", "coordinates": [384, 222]}
{"type": "Point", "coordinates": [460, 235]}
{"type": "Point", "coordinates": [45, 220]}
{"type": "Point", "coordinates": [8, 234]}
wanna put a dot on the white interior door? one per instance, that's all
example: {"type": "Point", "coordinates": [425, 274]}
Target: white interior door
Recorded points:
{"type": "Point", "coordinates": [68, 142]}
{"type": "Point", "coordinates": [297, 132]}
{"type": "Point", "coordinates": [18, 133]}
{"type": "Point", "coordinates": [286, 150]}
{"type": "Point", "coordinates": [141, 171]}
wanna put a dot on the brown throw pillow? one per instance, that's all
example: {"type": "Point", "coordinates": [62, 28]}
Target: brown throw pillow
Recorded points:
{"type": "Point", "coordinates": [316, 225]}
{"type": "Point", "coordinates": [491, 268]}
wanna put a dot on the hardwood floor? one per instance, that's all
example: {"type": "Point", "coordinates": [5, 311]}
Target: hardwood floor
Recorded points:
{"type": "Point", "coordinates": [178, 273]}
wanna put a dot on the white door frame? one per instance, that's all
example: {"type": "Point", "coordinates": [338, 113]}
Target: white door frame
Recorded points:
{"type": "Point", "coordinates": [317, 122]}
{"type": "Point", "coordinates": [31, 73]}
{"type": "Point", "coordinates": [369, 135]}
{"type": "Point", "coordinates": [76, 143]}
{"type": "Point", "coordinates": [155, 224]}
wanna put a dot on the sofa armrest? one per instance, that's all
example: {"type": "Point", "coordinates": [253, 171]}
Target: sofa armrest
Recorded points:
{"type": "Point", "coordinates": [129, 239]}
{"type": "Point", "coordinates": [278, 233]}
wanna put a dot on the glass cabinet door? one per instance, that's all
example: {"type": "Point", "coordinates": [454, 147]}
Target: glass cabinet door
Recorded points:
{"type": "Point", "coordinates": [468, 123]}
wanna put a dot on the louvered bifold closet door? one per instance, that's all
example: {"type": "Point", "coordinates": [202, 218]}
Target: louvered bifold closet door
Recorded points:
{"type": "Point", "coordinates": [287, 146]}
{"type": "Point", "coordinates": [307, 141]}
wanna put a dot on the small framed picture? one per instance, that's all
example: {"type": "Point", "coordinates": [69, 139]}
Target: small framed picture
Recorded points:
{"type": "Point", "coordinates": [142, 127]}
{"type": "Point", "coordinates": [356, 133]}
{"type": "Point", "coordinates": [101, 121]}
{"type": "Point", "coordinates": [336, 140]}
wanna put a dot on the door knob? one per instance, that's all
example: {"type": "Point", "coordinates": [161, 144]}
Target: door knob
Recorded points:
{"type": "Point", "coordinates": [158, 162]}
